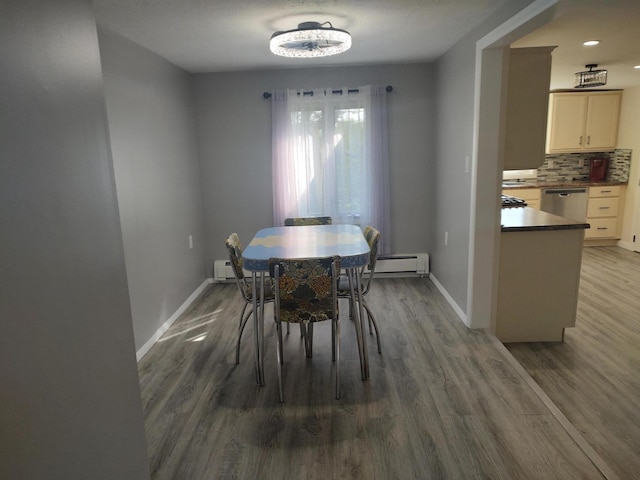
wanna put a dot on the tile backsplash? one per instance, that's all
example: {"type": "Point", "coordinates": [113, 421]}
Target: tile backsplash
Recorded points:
{"type": "Point", "coordinates": [575, 166]}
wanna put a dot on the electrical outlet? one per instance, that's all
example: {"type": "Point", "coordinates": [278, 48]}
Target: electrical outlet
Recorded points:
{"type": "Point", "coordinates": [581, 163]}
{"type": "Point", "coordinates": [446, 238]}
{"type": "Point", "coordinates": [190, 241]}
{"type": "Point", "coordinates": [550, 164]}
{"type": "Point", "coordinates": [467, 163]}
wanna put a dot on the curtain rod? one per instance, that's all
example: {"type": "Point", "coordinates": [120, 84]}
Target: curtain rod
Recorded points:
{"type": "Point", "coordinates": [389, 88]}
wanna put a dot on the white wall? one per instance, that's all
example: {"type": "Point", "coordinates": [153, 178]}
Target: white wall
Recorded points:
{"type": "Point", "coordinates": [629, 137]}
{"type": "Point", "coordinates": [455, 77]}
{"type": "Point", "coordinates": [234, 131]}
{"type": "Point", "coordinates": [151, 113]}
{"type": "Point", "coordinates": [69, 393]}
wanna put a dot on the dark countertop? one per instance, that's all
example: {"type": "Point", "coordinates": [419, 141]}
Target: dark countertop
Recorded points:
{"type": "Point", "coordinates": [526, 219]}
{"type": "Point", "coordinates": [558, 183]}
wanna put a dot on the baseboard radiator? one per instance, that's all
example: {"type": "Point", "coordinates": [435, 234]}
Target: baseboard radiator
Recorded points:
{"type": "Point", "coordinates": [391, 265]}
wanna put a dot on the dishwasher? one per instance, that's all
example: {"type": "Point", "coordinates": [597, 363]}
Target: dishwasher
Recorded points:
{"type": "Point", "coordinates": [565, 202]}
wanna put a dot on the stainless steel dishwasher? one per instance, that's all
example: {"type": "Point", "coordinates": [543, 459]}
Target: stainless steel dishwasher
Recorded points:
{"type": "Point", "coordinates": [566, 202]}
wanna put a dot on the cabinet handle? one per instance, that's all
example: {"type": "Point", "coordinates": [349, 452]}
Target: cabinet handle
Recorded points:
{"type": "Point", "coordinates": [603, 228]}
{"type": "Point", "coordinates": [580, 141]}
{"type": "Point", "coordinates": [605, 191]}
{"type": "Point", "coordinates": [604, 208]}
{"type": "Point", "coordinates": [588, 139]}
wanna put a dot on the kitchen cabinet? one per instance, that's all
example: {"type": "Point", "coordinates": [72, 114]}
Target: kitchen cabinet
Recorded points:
{"type": "Point", "coordinates": [583, 122]}
{"type": "Point", "coordinates": [527, 105]}
{"type": "Point", "coordinates": [539, 275]}
{"type": "Point", "coordinates": [604, 213]}
{"type": "Point", "coordinates": [530, 195]}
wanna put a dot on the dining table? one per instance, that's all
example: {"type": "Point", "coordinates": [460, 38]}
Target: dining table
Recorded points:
{"type": "Point", "coordinates": [310, 241]}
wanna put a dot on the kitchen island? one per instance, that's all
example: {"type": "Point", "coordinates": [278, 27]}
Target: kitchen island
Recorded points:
{"type": "Point", "coordinates": [539, 275]}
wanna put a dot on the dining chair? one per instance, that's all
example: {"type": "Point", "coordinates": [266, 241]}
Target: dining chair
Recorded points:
{"type": "Point", "coordinates": [246, 290]}
{"type": "Point", "coordinates": [302, 221]}
{"type": "Point", "coordinates": [372, 236]}
{"type": "Point", "coordinates": [305, 293]}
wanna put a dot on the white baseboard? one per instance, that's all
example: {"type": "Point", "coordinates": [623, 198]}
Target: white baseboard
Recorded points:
{"type": "Point", "coordinates": [449, 299]}
{"type": "Point", "coordinates": [626, 245]}
{"type": "Point", "coordinates": [165, 326]}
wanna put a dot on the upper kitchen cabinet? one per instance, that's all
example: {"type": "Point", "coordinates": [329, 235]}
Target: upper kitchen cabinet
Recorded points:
{"type": "Point", "coordinates": [527, 105]}
{"type": "Point", "coordinates": [583, 121]}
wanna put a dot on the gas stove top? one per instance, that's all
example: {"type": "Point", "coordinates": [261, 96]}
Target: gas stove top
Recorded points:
{"type": "Point", "coordinates": [510, 202]}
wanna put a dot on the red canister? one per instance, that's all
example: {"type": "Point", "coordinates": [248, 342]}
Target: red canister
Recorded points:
{"type": "Point", "coordinates": [598, 170]}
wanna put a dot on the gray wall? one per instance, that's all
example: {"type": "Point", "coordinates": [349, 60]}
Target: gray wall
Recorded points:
{"type": "Point", "coordinates": [69, 393]}
{"type": "Point", "coordinates": [454, 77]}
{"type": "Point", "coordinates": [234, 131]}
{"type": "Point", "coordinates": [151, 112]}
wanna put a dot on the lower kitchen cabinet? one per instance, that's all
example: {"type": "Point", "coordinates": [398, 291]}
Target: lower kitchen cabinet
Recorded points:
{"type": "Point", "coordinates": [539, 275]}
{"type": "Point", "coordinates": [604, 213]}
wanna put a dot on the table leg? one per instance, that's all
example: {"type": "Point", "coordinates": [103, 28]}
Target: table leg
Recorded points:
{"type": "Point", "coordinates": [256, 329]}
{"type": "Point", "coordinates": [361, 317]}
{"type": "Point", "coordinates": [354, 286]}
{"type": "Point", "coordinates": [262, 328]}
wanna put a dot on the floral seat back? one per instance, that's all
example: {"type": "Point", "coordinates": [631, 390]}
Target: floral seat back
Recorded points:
{"type": "Point", "coordinates": [302, 221]}
{"type": "Point", "coordinates": [372, 236]}
{"type": "Point", "coordinates": [305, 289]}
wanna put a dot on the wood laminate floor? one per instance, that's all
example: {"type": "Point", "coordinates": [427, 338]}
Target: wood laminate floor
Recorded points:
{"type": "Point", "coordinates": [443, 401]}
{"type": "Point", "coordinates": [594, 376]}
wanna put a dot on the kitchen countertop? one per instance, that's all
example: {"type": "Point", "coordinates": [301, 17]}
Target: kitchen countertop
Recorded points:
{"type": "Point", "coordinates": [556, 183]}
{"type": "Point", "coordinates": [526, 219]}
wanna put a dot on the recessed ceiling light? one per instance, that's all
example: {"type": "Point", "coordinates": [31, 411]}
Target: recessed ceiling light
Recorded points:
{"type": "Point", "coordinates": [637, 67]}
{"type": "Point", "coordinates": [590, 43]}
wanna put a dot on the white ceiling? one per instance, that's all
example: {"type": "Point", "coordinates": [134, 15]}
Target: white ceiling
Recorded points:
{"type": "Point", "coordinates": [224, 35]}
{"type": "Point", "coordinates": [227, 35]}
{"type": "Point", "coordinates": [616, 23]}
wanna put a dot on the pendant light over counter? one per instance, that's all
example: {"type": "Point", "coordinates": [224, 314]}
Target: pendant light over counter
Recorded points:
{"type": "Point", "coordinates": [591, 77]}
{"type": "Point", "coordinates": [310, 39]}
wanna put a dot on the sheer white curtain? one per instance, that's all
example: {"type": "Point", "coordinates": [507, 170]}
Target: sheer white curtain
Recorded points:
{"type": "Point", "coordinates": [330, 157]}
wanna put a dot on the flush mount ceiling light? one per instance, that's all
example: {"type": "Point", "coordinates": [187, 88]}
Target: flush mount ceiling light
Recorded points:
{"type": "Point", "coordinates": [591, 43]}
{"type": "Point", "coordinates": [310, 39]}
{"type": "Point", "coordinates": [591, 77]}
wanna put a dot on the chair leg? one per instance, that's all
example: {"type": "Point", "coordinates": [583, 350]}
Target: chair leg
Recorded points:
{"type": "Point", "coordinates": [279, 359]}
{"type": "Point", "coordinates": [333, 340]}
{"type": "Point", "coordinates": [243, 323]}
{"type": "Point", "coordinates": [307, 334]}
{"type": "Point", "coordinates": [372, 319]}
{"type": "Point", "coordinates": [336, 339]}
{"type": "Point", "coordinates": [280, 343]}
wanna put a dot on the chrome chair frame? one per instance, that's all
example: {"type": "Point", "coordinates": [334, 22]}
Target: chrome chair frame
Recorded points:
{"type": "Point", "coordinates": [234, 248]}
{"type": "Point", "coordinates": [373, 236]}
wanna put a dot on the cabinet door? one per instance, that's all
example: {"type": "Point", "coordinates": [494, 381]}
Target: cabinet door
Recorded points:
{"type": "Point", "coordinates": [567, 114]}
{"type": "Point", "coordinates": [602, 228]}
{"type": "Point", "coordinates": [602, 207]}
{"type": "Point", "coordinates": [605, 191]}
{"type": "Point", "coordinates": [527, 105]}
{"type": "Point", "coordinates": [602, 122]}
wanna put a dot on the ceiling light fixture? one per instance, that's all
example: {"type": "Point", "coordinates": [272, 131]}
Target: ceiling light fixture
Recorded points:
{"type": "Point", "coordinates": [591, 43]}
{"type": "Point", "coordinates": [637, 67]}
{"type": "Point", "coordinates": [590, 78]}
{"type": "Point", "coordinates": [310, 39]}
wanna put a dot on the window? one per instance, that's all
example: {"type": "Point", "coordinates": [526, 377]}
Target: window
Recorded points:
{"type": "Point", "coordinates": [330, 156]}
